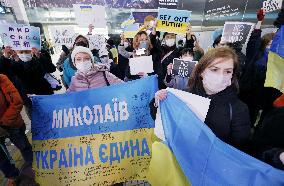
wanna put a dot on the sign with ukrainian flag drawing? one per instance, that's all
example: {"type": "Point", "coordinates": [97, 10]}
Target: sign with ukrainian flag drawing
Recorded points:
{"type": "Point", "coordinates": [90, 14]}
{"type": "Point", "coordinates": [173, 21]}
{"type": "Point", "coordinates": [94, 137]}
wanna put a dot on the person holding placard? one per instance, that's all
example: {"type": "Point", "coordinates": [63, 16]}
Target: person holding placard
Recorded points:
{"type": "Point", "coordinates": [214, 77]}
{"type": "Point", "coordinates": [252, 90]}
{"type": "Point", "coordinates": [178, 81]}
{"type": "Point", "coordinates": [142, 48]}
{"type": "Point", "coordinates": [169, 50]}
{"type": "Point", "coordinates": [89, 75]}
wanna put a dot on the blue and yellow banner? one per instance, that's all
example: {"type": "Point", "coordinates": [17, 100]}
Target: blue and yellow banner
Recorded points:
{"type": "Point", "coordinates": [93, 137]}
{"type": "Point", "coordinates": [275, 63]}
{"type": "Point", "coordinates": [173, 21]}
{"type": "Point", "coordinates": [203, 158]}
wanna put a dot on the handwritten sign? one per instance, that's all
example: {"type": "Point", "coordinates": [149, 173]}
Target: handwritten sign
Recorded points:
{"type": "Point", "coordinates": [96, 41]}
{"type": "Point", "coordinates": [62, 35]}
{"type": "Point", "coordinates": [272, 5]}
{"type": "Point", "coordinates": [183, 68]}
{"type": "Point", "coordinates": [237, 31]}
{"type": "Point", "coordinates": [171, 4]}
{"type": "Point", "coordinates": [173, 21]}
{"type": "Point", "coordinates": [20, 37]}
{"type": "Point", "coordinates": [90, 14]}
{"type": "Point", "coordinates": [141, 64]}
{"type": "Point", "coordinates": [216, 11]}
{"type": "Point", "coordinates": [102, 139]}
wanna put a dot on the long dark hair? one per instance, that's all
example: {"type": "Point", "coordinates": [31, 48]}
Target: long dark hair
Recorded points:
{"type": "Point", "coordinates": [195, 81]}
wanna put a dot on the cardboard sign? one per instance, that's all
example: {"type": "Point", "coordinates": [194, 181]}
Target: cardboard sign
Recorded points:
{"type": "Point", "coordinates": [90, 14]}
{"type": "Point", "coordinates": [171, 4]}
{"type": "Point", "coordinates": [20, 37]}
{"type": "Point", "coordinates": [173, 21]}
{"type": "Point", "coordinates": [237, 31]}
{"type": "Point", "coordinates": [183, 68]}
{"type": "Point", "coordinates": [62, 35]}
{"type": "Point", "coordinates": [216, 11]}
{"type": "Point", "coordinates": [272, 5]}
{"type": "Point", "coordinates": [141, 64]}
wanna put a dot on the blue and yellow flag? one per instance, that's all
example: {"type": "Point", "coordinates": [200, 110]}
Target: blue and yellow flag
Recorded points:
{"type": "Point", "coordinates": [94, 137]}
{"type": "Point", "coordinates": [203, 158]}
{"type": "Point", "coordinates": [275, 63]}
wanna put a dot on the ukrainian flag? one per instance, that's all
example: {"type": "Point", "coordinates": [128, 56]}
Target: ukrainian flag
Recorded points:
{"type": "Point", "coordinates": [275, 64]}
{"type": "Point", "coordinates": [128, 22]}
{"type": "Point", "coordinates": [192, 154]}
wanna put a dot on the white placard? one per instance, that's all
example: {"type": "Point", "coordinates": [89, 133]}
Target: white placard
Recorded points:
{"type": "Point", "coordinates": [90, 14]}
{"type": "Point", "coordinates": [62, 35]}
{"type": "Point", "coordinates": [141, 64]}
{"type": "Point", "coordinates": [198, 104]}
{"type": "Point", "coordinates": [272, 5]}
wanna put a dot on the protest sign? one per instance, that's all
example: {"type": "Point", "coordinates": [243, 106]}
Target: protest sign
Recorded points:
{"type": "Point", "coordinates": [216, 11]}
{"type": "Point", "coordinates": [140, 16]}
{"type": "Point", "coordinates": [94, 137]}
{"type": "Point", "coordinates": [173, 21]}
{"type": "Point", "coordinates": [62, 35]}
{"type": "Point", "coordinates": [20, 37]}
{"type": "Point", "coordinates": [237, 31]}
{"type": "Point", "coordinates": [141, 64]}
{"type": "Point", "coordinates": [171, 4]}
{"type": "Point", "coordinates": [272, 5]}
{"type": "Point", "coordinates": [131, 30]}
{"type": "Point", "coordinates": [127, 22]}
{"type": "Point", "coordinates": [183, 68]}
{"type": "Point", "coordinates": [96, 41]}
{"type": "Point", "coordinates": [90, 14]}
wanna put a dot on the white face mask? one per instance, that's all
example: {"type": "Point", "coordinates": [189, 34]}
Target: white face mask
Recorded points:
{"type": "Point", "coordinates": [126, 44]}
{"type": "Point", "coordinates": [187, 58]}
{"type": "Point", "coordinates": [84, 66]}
{"type": "Point", "coordinates": [170, 42]}
{"type": "Point", "coordinates": [25, 57]}
{"type": "Point", "coordinates": [214, 83]}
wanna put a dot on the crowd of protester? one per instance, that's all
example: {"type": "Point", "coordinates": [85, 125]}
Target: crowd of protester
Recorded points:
{"type": "Point", "coordinates": [242, 113]}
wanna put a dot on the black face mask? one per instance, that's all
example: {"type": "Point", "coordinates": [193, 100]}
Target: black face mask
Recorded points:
{"type": "Point", "coordinates": [82, 43]}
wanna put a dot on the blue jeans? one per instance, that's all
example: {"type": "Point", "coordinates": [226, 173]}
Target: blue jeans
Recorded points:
{"type": "Point", "coordinates": [20, 140]}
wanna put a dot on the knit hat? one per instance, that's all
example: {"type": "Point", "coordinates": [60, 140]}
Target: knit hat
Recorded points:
{"type": "Point", "coordinates": [79, 49]}
{"type": "Point", "coordinates": [216, 33]}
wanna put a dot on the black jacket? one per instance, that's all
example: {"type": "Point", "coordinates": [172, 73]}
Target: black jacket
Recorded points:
{"type": "Point", "coordinates": [32, 74]}
{"type": "Point", "coordinates": [268, 140]}
{"type": "Point", "coordinates": [227, 117]}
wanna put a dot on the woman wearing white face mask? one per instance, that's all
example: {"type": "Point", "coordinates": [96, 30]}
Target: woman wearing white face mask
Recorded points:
{"type": "Point", "coordinates": [89, 75]}
{"type": "Point", "coordinates": [30, 67]}
{"type": "Point", "coordinates": [215, 77]}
